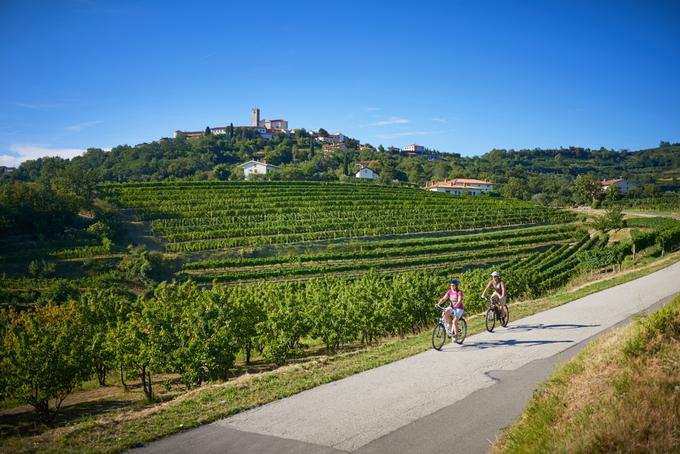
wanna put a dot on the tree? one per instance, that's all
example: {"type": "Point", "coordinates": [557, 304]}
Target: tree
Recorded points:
{"type": "Point", "coordinates": [279, 155]}
{"type": "Point", "coordinates": [323, 132]}
{"type": "Point", "coordinates": [244, 314]}
{"type": "Point", "coordinates": [222, 172]}
{"type": "Point", "coordinates": [208, 132]}
{"type": "Point", "coordinates": [650, 190]}
{"type": "Point", "coordinates": [515, 188]}
{"type": "Point", "coordinates": [45, 357]}
{"type": "Point", "coordinates": [613, 193]}
{"type": "Point", "coordinates": [100, 310]}
{"type": "Point", "coordinates": [611, 220]}
{"type": "Point", "coordinates": [587, 188]}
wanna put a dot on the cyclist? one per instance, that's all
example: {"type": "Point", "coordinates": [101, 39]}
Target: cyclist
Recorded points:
{"type": "Point", "coordinates": [455, 297]}
{"type": "Point", "coordinates": [498, 296]}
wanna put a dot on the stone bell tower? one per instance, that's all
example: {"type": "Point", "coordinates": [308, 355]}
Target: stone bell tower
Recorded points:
{"type": "Point", "coordinates": [255, 117]}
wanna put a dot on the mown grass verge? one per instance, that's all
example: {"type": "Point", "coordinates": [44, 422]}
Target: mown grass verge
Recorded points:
{"type": "Point", "coordinates": [135, 423]}
{"type": "Point", "coordinates": [620, 394]}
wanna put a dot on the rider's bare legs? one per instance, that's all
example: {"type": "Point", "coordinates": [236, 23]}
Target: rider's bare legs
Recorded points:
{"type": "Point", "coordinates": [496, 298]}
{"type": "Point", "coordinates": [447, 318]}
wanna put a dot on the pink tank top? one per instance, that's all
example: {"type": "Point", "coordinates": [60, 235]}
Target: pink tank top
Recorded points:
{"type": "Point", "coordinates": [455, 297]}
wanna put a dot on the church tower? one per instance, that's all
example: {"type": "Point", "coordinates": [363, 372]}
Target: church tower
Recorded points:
{"type": "Point", "coordinates": [255, 117]}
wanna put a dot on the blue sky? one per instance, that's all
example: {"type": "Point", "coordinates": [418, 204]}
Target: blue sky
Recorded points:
{"type": "Point", "coordinates": [458, 76]}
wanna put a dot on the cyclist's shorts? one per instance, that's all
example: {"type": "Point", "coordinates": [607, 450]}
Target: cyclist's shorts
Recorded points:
{"type": "Point", "coordinates": [458, 313]}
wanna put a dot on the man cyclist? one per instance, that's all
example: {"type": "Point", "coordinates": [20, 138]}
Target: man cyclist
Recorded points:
{"type": "Point", "coordinates": [499, 296]}
{"type": "Point", "coordinates": [455, 297]}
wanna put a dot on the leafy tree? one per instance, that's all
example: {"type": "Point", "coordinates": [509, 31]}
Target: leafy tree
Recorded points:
{"type": "Point", "coordinates": [587, 188]}
{"type": "Point", "coordinates": [101, 309]}
{"type": "Point", "coordinates": [208, 132]}
{"type": "Point", "coordinates": [45, 357]}
{"type": "Point", "coordinates": [144, 266]}
{"type": "Point", "coordinates": [282, 154]}
{"type": "Point", "coordinates": [188, 333]}
{"type": "Point", "coordinates": [611, 220]}
{"type": "Point", "coordinates": [100, 230]}
{"type": "Point", "coordinates": [515, 188]}
{"type": "Point", "coordinates": [244, 313]}
{"type": "Point", "coordinates": [222, 171]}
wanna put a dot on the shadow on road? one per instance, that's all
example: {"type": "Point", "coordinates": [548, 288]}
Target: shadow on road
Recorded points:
{"type": "Point", "coordinates": [521, 328]}
{"type": "Point", "coordinates": [511, 343]}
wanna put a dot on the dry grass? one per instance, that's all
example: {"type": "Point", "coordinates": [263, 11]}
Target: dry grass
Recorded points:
{"type": "Point", "coordinates": [621, 394]}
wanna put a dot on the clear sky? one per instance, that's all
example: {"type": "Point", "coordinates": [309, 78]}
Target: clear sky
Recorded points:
{"type": "Point", "coordinates": [457, 76]}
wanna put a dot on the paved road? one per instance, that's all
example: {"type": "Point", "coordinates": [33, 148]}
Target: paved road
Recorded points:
{"type": "Point", "coordinates": [454, 400]}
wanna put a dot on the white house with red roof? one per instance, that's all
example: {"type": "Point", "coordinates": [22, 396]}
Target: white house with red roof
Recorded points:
{"type": "Point", "coordinates": [460, 186]}
{"type": "Point", "coordinates": [621, 183]}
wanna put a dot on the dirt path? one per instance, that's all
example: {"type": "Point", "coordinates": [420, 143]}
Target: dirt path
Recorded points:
{"type": "Point", "coordinates": [140, 231]}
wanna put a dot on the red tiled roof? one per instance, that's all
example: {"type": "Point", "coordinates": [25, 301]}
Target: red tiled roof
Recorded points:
{"type": "Point", "coordinates": [611, 182]}
{"type": "Point", "coordinates": [459, 183]}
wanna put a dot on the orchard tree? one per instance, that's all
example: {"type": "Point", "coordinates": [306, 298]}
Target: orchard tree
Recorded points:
{"type": "Point", "coordinates": [46, 355]}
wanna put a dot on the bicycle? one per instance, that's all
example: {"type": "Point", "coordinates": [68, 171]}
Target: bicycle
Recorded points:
{"type": "Point", "coordinates": [495, 313]}
{"type": "Point", "coordinates": [439, 333]}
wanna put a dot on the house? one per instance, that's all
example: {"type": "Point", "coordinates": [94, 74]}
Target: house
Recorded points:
{"type": "Point", "coordinates": [329, 148]}
{"type": "Point", "coordinates": [257, 168]}
{"type": "Point", "coordinates": [414, 148]}
{"type": "Point", "coordinates": [623, 184]}
{"type": "Point", "coordinates": [460, 186]}
{"type": "Point", "coordinates": [336, 137]}
{"type": "Point", "coordinates": [365, 172]}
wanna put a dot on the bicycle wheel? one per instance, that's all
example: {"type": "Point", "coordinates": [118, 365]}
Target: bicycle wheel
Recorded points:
{"type": "Point", "coordinates": [462, 331]}
{"type": "Point", "coordinates": [438, 336]}
{"type": "Point", "coordinates": [490, 319]}
{"type": "Point", "coordinates": [505, 315]}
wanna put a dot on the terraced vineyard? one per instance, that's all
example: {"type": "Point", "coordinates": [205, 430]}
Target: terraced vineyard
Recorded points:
{"type": "Point", "coordinates": [243, 231]}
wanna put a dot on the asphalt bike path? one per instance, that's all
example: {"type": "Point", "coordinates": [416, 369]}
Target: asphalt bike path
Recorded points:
{"type": "Point", "coordinates": [455, 400]}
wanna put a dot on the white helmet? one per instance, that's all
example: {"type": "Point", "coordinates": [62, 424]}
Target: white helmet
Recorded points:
{"type": "Point", "coordinates": [495, 274]}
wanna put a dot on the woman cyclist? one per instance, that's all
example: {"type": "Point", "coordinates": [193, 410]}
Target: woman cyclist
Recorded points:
{"type": "Point", "coordinates": [498, 296]}
{"type": "Point", "coordinates": [455, 297]}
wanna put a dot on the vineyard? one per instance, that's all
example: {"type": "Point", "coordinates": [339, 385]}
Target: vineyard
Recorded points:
{"type": "Point", "coordinates": [244, 231]}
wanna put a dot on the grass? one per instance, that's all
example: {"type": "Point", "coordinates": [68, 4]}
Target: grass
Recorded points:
{"type": "Point", "coordinates": [620, 394]}
{"type": "Point", "coordinates": [115, 420]}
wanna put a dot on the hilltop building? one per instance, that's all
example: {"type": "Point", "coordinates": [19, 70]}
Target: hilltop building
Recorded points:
{"type": "Point", "coordinates": [414, 148]}
{"type": "Point", "coordinates": [460, 186]}
{"type": "Point", "coordinates": [256, 122]}
{"type": "Point", "coordinates": [265, 128]}
{"type": "Point", "coordinates": [336, 137]}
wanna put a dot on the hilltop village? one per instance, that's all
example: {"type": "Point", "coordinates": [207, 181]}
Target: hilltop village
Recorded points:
{"type": "Point", "coordinates": [330, 143]}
